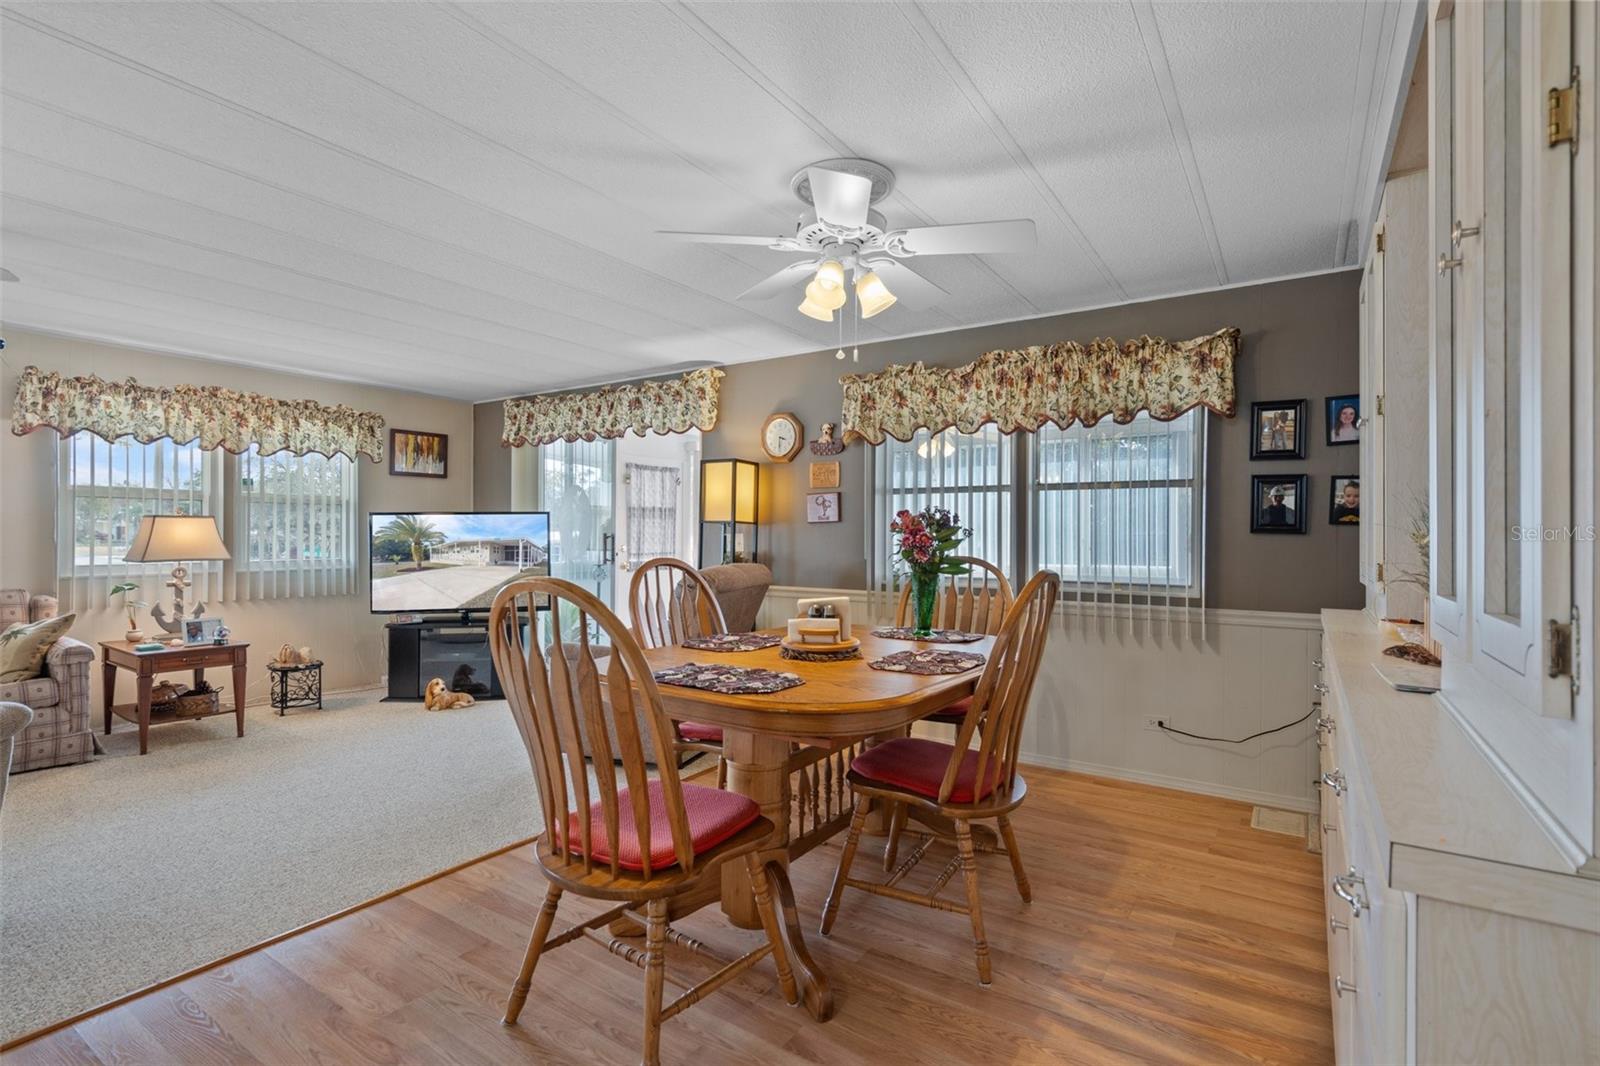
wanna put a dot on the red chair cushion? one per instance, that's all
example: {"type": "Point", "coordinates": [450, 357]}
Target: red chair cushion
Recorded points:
{"type": "Point", "coordinates": [713, 815]}
{"type": "Point", "coordinates": [953, 714]}
{"type": "Point", "coordinates": [700, 731]}
{"type": "Point", "coordinates": [918, 765]}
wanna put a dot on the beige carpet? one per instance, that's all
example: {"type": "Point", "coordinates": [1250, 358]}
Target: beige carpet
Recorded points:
{"type": "Point", "coordinates": [131, 869]}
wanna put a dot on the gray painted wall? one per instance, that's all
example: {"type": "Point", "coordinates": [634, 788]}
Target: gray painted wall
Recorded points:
{"type": "Point", "coordinates": [1299, 340]}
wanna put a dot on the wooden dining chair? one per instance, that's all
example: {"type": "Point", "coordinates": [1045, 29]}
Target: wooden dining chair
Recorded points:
{"type": "Point", "coordinates": [975, 602]}
{"type": "Point", "coordinates": [668, 602]}
{"type": "Point", "coordinates": [954, 783]}
{"type": "Point", "coordinates": [652, 847]}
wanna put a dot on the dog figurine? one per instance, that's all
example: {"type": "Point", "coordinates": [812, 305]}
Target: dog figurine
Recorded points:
{"type": "Point", "coordinates": [438, 698]}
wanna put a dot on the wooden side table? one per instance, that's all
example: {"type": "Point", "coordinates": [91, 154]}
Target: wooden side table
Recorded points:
{"type": "Point", "coordinates": [145, 665]}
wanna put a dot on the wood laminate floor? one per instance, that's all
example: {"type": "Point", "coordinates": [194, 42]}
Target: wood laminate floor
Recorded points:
{"type": "Point", "coordinates": [1163, 929]}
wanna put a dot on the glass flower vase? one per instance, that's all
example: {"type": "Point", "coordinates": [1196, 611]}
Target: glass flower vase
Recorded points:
{"type": "Point", "coordinates": [924, 598]}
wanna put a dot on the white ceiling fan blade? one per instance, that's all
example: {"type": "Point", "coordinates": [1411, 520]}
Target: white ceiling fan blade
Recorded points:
{"type": "Point", "coordinates": [909, 287]}
{"type": "Point", "coordinates": [783, 280]}
{"type": "Point", "coordinates": [840, 199]}
{"type": "Point", "coordinates": [966, 238]}
{"type": "Point", "coordinates": [779, 243]}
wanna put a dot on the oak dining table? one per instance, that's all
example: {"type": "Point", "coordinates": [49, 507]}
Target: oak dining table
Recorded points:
{"type": "Point", "coordinates": [789, 750]}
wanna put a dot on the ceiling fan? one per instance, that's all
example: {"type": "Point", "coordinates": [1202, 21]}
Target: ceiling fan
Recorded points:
{"type": "Point", "coordinates": [846, 240]}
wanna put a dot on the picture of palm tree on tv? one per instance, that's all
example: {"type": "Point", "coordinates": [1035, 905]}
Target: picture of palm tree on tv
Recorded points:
{"type": "Point", "coordinates": [453, 561]}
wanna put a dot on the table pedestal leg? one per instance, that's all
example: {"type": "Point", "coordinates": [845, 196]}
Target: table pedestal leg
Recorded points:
{"type": "Point", "coordinates": [238, 695]}
{"type": "Point", "coordinates": [145, 684]}
{"type": "Point", "coordinates": [758, 767]}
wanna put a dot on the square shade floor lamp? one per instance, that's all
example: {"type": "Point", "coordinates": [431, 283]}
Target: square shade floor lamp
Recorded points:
{"type": "Point", "coordinates": [176, 538]}
{"type": "Point", "coordinates": [729, 498]}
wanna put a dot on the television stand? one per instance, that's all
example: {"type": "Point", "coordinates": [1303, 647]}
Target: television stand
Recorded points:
{"type": "Point", "coordinates": [454, 650]}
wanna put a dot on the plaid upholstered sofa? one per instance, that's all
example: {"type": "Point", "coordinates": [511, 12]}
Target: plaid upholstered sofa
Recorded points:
{"type": "Point", "coordinates": [59, 734]}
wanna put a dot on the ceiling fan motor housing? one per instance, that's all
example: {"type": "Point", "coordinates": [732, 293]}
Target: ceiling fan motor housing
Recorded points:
{"type": "Point", "coordinates": [812, 232]}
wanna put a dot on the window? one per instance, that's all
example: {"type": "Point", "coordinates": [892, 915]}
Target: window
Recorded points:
{"type": "Point", "coordinates": [296, 518]}
{"type": "Point", "coordinates": [1117, 511]}
{"type": "Point", "coordinates": [1121, 506]}
{"type": "Point", "coordinates": [289, 521]}
{"type": "Point", "coordinates": [968, 473]}
{"type": "Point", "coordinates": [106, 487]}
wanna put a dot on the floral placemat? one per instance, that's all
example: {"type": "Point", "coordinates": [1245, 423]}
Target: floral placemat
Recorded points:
{"type": "Point", "coordinates": [731, 680]}
{"type": "Point", "coordinates": [938, 636]}
{"type": "Point", "coordinates": [929, 662]}
{"type": "Point", "coordinates": [733, 642]}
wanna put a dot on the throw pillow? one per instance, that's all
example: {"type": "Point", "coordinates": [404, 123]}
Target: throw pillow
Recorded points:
{"type": "Point", "coordinates": [23, 647]}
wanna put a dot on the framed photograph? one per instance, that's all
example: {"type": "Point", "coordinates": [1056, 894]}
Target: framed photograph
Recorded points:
{"type": "Point", "coordinates": [414, 454]}
{"type": "Point", "coordinates": [825, 475]}
{"type": "Point", "coordinates": [1278, 504]}
{"type": "Point", "coordinates": [822, 507]}
{"type": "Point", "coordinates": [1278, 429]}
{"type": "Point", "coordinates": [1344, 500]}
{"type": "Point", "coordinates": [200, 630]}
{"type": "Point", "coordinates": [1344, 419]}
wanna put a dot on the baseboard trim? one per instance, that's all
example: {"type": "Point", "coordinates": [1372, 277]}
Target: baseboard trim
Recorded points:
{"type": "Point", "coordinates": [167, 982]}
{"type": "Point", "coordinates": [1300, 804]}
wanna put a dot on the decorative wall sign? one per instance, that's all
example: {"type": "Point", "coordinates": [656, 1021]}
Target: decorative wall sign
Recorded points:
{"type": "Point", "coordinates": [825, 444]}
{"type": "Point", "coordinates": [822, 507]}
{"type": "Point", "coordinates": [1278, 504]}
{"type": "Point", "coordinates": [825, 475]}
{"type": "Point", "coordinates": [414, 454]}
{"type": "Point", "coordinates": [1278, 429]}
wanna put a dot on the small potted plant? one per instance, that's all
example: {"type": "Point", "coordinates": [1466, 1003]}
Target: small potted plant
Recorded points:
{"type": "Point", "coordinates": [926, 543]}
{"type": "Point", "coordinates": [132, 606]}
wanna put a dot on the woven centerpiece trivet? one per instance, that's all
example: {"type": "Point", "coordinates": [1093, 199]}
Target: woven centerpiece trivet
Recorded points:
{"type": "Point", "coordinates": [938, 636]}
{"type": "Point", "coordinates": [806, 655]}
{"type": "Point", "coordinates": [929, 662]}
{"type": "Point", "coordinates": [733, 642]}
{"type": "Point", "coordinates": [731, 680]}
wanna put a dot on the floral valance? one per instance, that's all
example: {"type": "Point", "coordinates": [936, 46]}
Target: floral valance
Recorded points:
{"type": "Point", "coordinates": [675, 406]}
{"type": "Point", "coordinates": [1061, 383]}
{"type": "Point", "coordinates": [216, 417]}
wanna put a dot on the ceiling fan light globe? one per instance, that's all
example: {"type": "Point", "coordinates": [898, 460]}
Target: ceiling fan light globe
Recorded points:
{"type": "Point", "coordinates": [830, 275]}
{"type": "Point", "coordinates": [873, 294]}
{"type": "Point", "coordinates": [814, 306]}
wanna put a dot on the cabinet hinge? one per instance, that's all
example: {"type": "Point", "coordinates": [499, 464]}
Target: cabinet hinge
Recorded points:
{"type": "Point", "coordinates": [1561, 113]}
{"type": "Point", "coordinates": [1558, 641]}
{"type": "Point", "coordinates": [1380, 573]}
{"type": "Point", "coordinates": [1380, 242]}
{"type": "Point", "coordinates": [1380, 403]}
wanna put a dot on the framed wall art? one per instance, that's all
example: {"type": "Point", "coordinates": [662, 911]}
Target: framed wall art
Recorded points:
{"type": "Point", "coordinates": [416, 454]}
{"type": "Point", "coordinates": [1278, 429]}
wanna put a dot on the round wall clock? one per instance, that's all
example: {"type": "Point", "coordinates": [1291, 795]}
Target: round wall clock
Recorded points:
{"type": "Point", "coordinates": [782, 437]}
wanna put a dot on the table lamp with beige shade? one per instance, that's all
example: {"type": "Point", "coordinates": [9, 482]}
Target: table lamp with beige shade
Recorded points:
{"type": "Point", "coordinates": [176, 538]}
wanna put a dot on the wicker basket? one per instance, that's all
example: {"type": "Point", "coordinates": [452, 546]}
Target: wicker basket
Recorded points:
{"type": "Point", "coordinates": [197, 704]}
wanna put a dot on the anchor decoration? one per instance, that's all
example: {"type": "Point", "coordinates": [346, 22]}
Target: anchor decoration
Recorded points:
{"type": "Point", "coordinates": [177, 583]}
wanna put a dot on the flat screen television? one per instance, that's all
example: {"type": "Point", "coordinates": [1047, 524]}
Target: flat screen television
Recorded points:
{"type": "Point", "coordinates": [453, 562]}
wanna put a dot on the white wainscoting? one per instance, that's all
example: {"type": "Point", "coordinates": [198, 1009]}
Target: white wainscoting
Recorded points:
{"type": "Point", "coordinates": [1251, 671]}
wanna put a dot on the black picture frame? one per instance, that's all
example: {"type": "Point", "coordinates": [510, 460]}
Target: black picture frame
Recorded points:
{"type": "Point", "coordinates": [1330, 414]}
{"type": "Point", "coordinates": [1262, 517]}
{"type": "Point", "coordinates": [1262, 445]}
{"type": "Point", "coordinates": [406, 462]}
{"type": "Point", "coordinates": [1338, 513]}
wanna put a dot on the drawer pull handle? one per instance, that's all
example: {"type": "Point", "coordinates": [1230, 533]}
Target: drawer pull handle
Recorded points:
{"type": "Point", "coordinates": [1340, 987]}
{"type": "Point", "coordinates": [1320, 687]}
{"type": "Point", "coordinates": [1317, 663]}
{"type": "Point", "coordinates": [1324, 724]}
{"type": "Point", "coordinates": [1447, 263]}
{"type": "Point", "coordinates": [1334, 925]}
{"type": "Point", "coordinates": [1326, 828]}
{"type": "Point", "coordinates": [1334, 779]}
{"type": "Point", "coordinates": [1342, 888]}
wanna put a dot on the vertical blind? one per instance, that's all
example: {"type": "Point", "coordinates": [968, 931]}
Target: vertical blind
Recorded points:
{"type": "Point", "coordinates": [104, 489]}
{"type": "Point", "coordinates": [1117, 511]}
{"type": "Point", "coordinates": [289, 521]}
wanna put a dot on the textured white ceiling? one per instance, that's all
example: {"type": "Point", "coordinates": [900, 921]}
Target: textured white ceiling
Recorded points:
{"type": "Point", "coordinates": [460, 198]}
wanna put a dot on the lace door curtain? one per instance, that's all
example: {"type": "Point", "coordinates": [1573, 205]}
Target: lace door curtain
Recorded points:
{"type": "Point", "coordinates": [652, 503]}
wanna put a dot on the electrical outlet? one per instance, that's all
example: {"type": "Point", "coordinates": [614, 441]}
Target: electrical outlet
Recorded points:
{"type": "Point", "coordinates": [1152, 722]}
